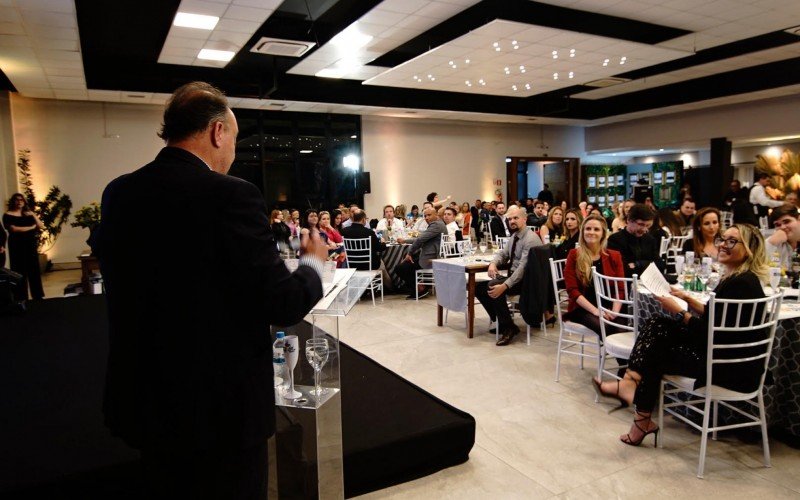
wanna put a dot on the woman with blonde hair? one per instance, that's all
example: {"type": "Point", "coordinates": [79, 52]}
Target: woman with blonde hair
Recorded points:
{"type": "Point", "coordinates": [677, 344]}
{"type": "Point", "coordinates": [705, 229]}
{"type": "Point", "coordinates": [592, 252]}
{"type": "Point", "coordinates": [554, 226]}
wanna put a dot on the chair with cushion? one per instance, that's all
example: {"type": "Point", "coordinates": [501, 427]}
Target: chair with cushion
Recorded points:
{"type": "Point", "coordinates": [610, 290]}
{"type": "Point", "coordinates": [568, 330]}
{"type": "Point", "coordinates": [358, 255]}
{"type": "Point", "coordinates": [746, 341]}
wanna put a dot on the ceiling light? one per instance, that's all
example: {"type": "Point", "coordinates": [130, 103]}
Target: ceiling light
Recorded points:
{"type": "Point", "coordinates": [216, 55]}
{"type": "Point", "coordinates": [662, 149]}
{"type": "Point", "coordinates": [555, 54]}
{"type": "Point", "coordinates": [351, 162]}
{"type": "Point", "coordinates": [508, 160]}
{"type": "Point", "coordinates": [605, 63]}
{"type": "Point", "coordinates": [433, 79]}
{"type": "Point", "coordinates": [482, 82]}
{"type": "Point", "coordinates": [354, 136]}
{"type": "Point", "coordinates": [555, 76]}
{"type": "Point", "coordinates": [450, 63]}
{"type": "Point", "coordinates": [497, 49]}
{"type": "Point", "coordinates": [513, 42]}
{"type": "Point", "coordinates": [572, 52]}
{"type": "Point", "coordinates": [527, 86]}
{"type": "Point", "coordinates": [350, 39]}
{"type": "Point", "coordinates": [306, 151]}
{"type": "Point", "coordinates": [622, 61]}
{"type": "Point", "coordinates": [496, 44]}
{"type": "Point", "coordinates": [571, 74]}
{"type": "Point", "coordinates": [466, 61]}
{"type": "Point", "coordinates": [197, 21]}
{"type": "Point", "coordinates": [514, 87]}
{"type": "Point", "coordinates": [468, 83]}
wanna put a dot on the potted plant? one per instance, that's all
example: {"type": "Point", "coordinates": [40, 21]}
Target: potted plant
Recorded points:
{"type": "Point", "coordinates": [53, 210]}
{"type": "Point", "coordinates": [88, 217]}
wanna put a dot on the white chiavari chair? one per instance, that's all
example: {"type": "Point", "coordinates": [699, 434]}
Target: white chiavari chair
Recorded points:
{"type": "Point", "coordinates": [359, 251]}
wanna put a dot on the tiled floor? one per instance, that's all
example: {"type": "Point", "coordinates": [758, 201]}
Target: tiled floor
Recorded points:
{"type": "Point", "coordinates": [537, 438]}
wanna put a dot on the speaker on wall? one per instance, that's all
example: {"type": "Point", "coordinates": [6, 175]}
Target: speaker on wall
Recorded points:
{"type": "Point", "coordinates": [365, 185]}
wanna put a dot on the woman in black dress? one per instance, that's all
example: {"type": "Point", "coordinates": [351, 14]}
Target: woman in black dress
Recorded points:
{"type": "Point", "coordinates": [23, 241]}
{"type": "Point", "coordinates": [677, 344]}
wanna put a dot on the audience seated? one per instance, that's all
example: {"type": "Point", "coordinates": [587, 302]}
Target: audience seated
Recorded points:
{"type": "Point", "coordinates": [786, 236]}
{"type": "Point", "coordinates": [424, 248]}
{"type": "Point", "coordinates": [677, 344]}
{"type": "Point", "coordinates": [492, 294]}
{"type": "Point", "coordinates": [637, 246]}
{"type": "Point", "coordinates": [539, 215]}
{"type": "Point", "coordinates": [572, 231]}
{"type": "Point", "coordinates": [553, 228]}
{"type": "Point", "coordinates": [705, 230]}
{"type": "Point", "coordinates": [592, 252]}
{"type": "Point", "coordinates": [389, 220]}
{"type": "Point", "coordinates": [422, 223]}
{"type": "Point", "coordinates": [354, 209]}
{"type": "Point", "coordinates": [498, 225]}
{"type": "Point", "coordinates": [449, 219]}
{"type": "Point", "coordinates": [685, 214]}
{"type": "Point", "coordinates": [281, 231]}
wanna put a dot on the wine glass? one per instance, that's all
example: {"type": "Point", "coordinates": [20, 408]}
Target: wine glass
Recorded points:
{"type": "Point", "coordinates": [713, 281]}
{"type": "Point", "coordinates": [774, 278]}
{"type": "Point", "coordinates": [703, 274]}
{"type": "Point", "coordinates": [291, 347]}
{"type": "Point", "coordinates": [482, 247]}
{"type": "Point", "coordinates": [679, 260]}
{"type": "Point", "coordinates": [317, 352]}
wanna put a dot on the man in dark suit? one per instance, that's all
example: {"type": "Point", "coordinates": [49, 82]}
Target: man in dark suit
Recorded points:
{"type": "Point", "coordinates": [498, 225]}
{"type": "Point", "coordinates": [189, 379]}
{"type": "Point", "coordinates": [358, 230]}
{"type": "Point", "coordinates": [423, 249]}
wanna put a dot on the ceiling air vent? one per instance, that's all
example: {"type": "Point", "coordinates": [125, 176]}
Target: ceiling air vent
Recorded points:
{"type": "Point", "coordinates": [606, 82]}
{"type": "Point", "coordinates": [278, 47]}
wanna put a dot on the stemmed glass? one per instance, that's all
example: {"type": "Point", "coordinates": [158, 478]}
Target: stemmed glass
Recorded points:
{"type": "Point", "coordinates": [317, 352]}
{"type": "Point", "coordinates": [679, 264]}
{"type": "Point", "coordinates": [774, 278]}
{"type": "Point", "coordinates": [712, 282]}
{"type": "Point", "coordinates": [291, 347]}
{"type": "Point", "coordinates": [482, 247]}
{"type": "Point", "coordinates": [704, 274]}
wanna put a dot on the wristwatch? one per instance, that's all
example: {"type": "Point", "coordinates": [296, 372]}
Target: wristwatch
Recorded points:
{"type": "Point", "coordinates": [680, 316]}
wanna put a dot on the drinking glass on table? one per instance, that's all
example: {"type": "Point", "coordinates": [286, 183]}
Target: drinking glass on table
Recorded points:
{"type": "Point", "coordinates": [713, 281]}
{"type": "Point", "coordinates": [291, 346]}
{"type": "Point", "coordinates": [317, 352]}
{"type": "Point", "coordinates": [679, 260]}
{"type": "Point", "coordinates": [704, 274]}
{"type": "Point", "coordinates": [482, 246]}
{"type": "Point", "coordinates": [774, 278]}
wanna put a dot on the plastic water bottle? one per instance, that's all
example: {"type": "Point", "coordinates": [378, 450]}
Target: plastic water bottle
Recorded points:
{"type": "Point", "coordinates": [546, 239]}
{"type": "Point", "coordinates": [278, 358]}
{"type": "Point", "coordinates": [281, 372]}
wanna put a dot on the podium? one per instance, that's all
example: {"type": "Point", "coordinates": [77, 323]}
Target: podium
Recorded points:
{"type": "Point", "coordinates": [309, 452]}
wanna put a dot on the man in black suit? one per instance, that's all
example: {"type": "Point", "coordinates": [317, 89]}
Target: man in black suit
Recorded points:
{"type": "Point", "coordinates": [498, 225]}
{"type": "Point", "coordinates": [189, 379]}
{"type": "Point", "coordinates": [638, 247]}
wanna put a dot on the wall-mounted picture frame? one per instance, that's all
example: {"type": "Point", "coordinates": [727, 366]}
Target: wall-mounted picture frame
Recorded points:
{"type": "Point", "coordinates": [670, 177]}
{"type": "Point", "coordinates": [601, 182]}
{"type": "Point", "coordinates": [592, 199]}
{"type": "Point", "coordinates": [612, 181]}
{"type": "Point", "coordinates": [620, 180]}
{"type": "Point", "coordinates": [592, 181]}
{"type": "Point", "coordinates": [633, 178]}
{"type": "Point", "coordinates": [658, 177]}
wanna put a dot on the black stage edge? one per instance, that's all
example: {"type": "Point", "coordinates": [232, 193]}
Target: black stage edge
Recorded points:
{"type": "Point", "coordinates": [54, 444]}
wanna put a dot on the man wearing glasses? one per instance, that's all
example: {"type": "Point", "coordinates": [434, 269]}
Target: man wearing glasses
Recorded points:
{"type": "Point", "coordinates": [786, 236]}
{"type": "Point", "coordinates": [635, 243]}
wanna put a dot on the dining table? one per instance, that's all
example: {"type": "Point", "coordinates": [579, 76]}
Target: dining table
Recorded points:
{"type": "Point", "coordinates": [469, 268]}
{"type": "Point", "coordinates": [392, 256]}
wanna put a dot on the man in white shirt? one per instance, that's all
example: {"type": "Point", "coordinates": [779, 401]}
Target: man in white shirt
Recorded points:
{"type": "Point", "coordinates": [758, 196]}
{"type": "Point", "coordinates": [449, 218]}
{"type": "Point", "coordinates": [353, 211]}
{"type": "Point", "coordinates": [389, 220]}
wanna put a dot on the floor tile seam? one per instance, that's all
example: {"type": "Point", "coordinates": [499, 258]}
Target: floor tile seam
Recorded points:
{"type": "Point", "coordinates": [501, 459]}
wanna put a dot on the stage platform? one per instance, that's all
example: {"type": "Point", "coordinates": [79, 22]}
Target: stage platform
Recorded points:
{"type": "Point", "coordinates": [52, 369]}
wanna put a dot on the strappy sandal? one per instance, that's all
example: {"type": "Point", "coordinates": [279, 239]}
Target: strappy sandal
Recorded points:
{"type": "Point", "coordinates": [598, 389]}
{"type": "Point", "coordinates": [627, 438]}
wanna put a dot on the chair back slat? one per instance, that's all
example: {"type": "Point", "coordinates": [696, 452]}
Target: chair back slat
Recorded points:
{"type": "Point", "coordinates": [358, 251]}
{"type": "Point", "coordinates": [612, 290]}
{"type": "Point", "coordinates": [502, 243]}
{"type": "Point", "coordinates": [741, 331]}
{"type": "Point", "coordinates": [557, 279]}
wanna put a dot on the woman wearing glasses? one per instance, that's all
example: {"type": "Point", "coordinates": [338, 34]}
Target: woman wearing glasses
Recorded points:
{"type": "Point", "coordinates": [705, 230]}
{"type": "Point", "coordinates": [677, 343]}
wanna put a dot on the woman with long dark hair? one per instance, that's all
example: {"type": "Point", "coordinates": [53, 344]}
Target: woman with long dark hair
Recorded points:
{"type": "Point", "coordinates": [572, 230]}
{"type": "Point", "coordinates": [280, 230]}
{"type": "Point", "coordinates": [23, 241]}
{"type": "Point", "coordinates": [705, 229]}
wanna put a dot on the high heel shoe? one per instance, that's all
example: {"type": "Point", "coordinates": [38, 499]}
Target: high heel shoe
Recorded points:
{"type": "Point", "coordinates": [629, 441]}
{"type": "Point", "coordinates": [598, 389]}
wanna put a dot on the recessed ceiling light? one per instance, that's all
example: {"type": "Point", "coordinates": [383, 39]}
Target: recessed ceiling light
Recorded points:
{"type": "Point", "coordinates": [354, 136]}
{"type": "Point", "coordinates": [482, 82]}
{"type": "Point", "coordinates": [468, 83]}
{"type": "Point", "coordinates": [527, 86]}
{"type": "Point", "coordinates": [466, 61]}
{"type": "Point", "coordinates": [555, 54]}
{"type": "Point", "coordinates": [605, 63]}
{"type": "Point", "coordinates": [622, 61]}
{"type": "Point", "coordinates": [430, 77]}
{"type": "Point", "coordinates": [513, 42]}
{"type": "Point", "coordinates": [555, 76]}
{"type": "Point", "coordinates": [513, 87]}
{"type": "Point", "coordinates": [306, 151]}
{"type": "Point", "coordinates": [197, 21]}
{"type": "Point", "coordinates": [571, 74]}
{"type": "Point", "coordinates": [450, 63]}
{"type": "Point", "coordinates": [662, 149]}
{"type": "Point", "coordinates": [495, 44]}
{"type": "Point", "coordinates": [216, 55]}
{"type": "Point", "coordinates": [497, 49]}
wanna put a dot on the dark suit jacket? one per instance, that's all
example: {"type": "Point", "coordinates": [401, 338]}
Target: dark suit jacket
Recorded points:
{"type": "Point", "coordinates": [496, 226]}
{"type": "Point", "coordinates": [639, 251]}
{"type": "Point", "coordinates": [476, 217]}
{"type": "Point", "coordinates": [358, 231]}
{"type": "Point", "coordinates": [193, 281]}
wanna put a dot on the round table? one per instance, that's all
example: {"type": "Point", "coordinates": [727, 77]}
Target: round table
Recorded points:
{"type": "Point", "coordinates": [391, 257]}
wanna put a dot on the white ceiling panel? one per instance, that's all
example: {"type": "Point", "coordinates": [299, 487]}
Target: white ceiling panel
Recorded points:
{"type": "Point", "coordinates": [545, 59]}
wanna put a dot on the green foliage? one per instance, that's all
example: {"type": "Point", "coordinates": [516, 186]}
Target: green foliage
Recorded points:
{"type": "Point", "coordinates": [53, 210]}
{"type": "Point", "coordinates": [88, 217]}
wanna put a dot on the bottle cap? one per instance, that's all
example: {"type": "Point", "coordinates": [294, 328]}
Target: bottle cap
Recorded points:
{"type": "Point", "coordinates": [280, 335]}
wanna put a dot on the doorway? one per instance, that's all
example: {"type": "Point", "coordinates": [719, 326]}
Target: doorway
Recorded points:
{"type": "Point", "coordinates": [526, 176]}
